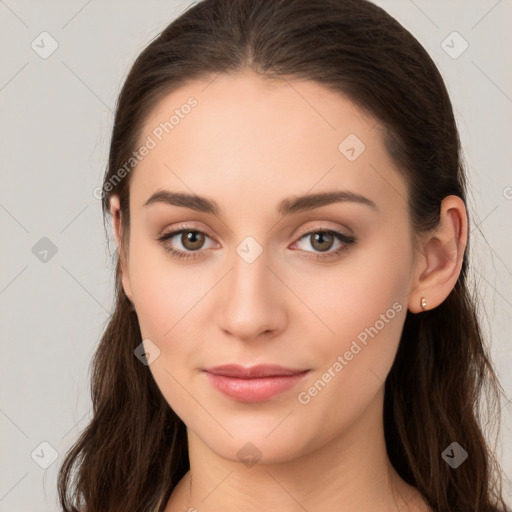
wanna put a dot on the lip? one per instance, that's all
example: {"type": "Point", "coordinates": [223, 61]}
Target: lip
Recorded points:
{"type": "Point", "coordinates": [248, 372]}
{"type": "Point", "coordinates": [253, 384]}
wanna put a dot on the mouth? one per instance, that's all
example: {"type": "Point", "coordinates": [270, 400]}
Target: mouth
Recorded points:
{"type": "Point", "coordinates": [253, 384]}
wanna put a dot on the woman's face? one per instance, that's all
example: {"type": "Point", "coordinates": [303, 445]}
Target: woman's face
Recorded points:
{"type": "Point", "coordinates": [262, 285]}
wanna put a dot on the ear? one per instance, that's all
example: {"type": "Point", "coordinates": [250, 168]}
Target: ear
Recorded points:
{"type": "Point", "coordinates": [439, 262]}
{"type": "Point", "coordinates": [115, 210]}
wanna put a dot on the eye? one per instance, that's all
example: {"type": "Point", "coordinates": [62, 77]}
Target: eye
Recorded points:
{"type": "Point", "coordinates": [322, 240]}
{"type": "Point", "coordinates": [191, 240]}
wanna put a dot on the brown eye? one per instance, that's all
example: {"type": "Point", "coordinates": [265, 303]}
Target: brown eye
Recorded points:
{"type": "Point", "coordinates": [322, 240]}
{"type": "Point", "coordinates": [192, 240]}
{"type": "Point", "coordinates": [326, 243]}
{"type": "Point", "coordinates": [185, 243]}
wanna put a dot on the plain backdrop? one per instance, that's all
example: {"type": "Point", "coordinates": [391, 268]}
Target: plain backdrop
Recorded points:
{"type": "Point", "coordinates": [56, 271]}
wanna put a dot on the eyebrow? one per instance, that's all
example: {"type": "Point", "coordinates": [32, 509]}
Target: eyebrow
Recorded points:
{"type": "Point", "coordinates": [287, 206]}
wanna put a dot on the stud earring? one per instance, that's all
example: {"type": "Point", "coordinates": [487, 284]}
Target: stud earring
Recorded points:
{"type": "Point", "coordinates": [423, 303]}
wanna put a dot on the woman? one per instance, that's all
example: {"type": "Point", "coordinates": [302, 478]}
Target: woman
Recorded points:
{"type": "Point", "coordinates": [293, 328]}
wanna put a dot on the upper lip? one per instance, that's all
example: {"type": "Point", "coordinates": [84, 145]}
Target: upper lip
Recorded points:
{"type": "Point", "coordinates": [260, 370]}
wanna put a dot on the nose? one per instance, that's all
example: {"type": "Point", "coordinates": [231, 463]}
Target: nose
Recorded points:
{"type": "Point", "coordinates": [253, 301]}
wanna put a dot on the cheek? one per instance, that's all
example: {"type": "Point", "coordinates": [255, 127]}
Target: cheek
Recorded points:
{"type": "Point", "coordinates": [363, 306]}
{"type": "Point", "coordinates": [363, 296]}
{"type": "Point", "coordinates": [168, 300]}
{"type": "Point", "coordinates": [367, 316]}
{"type": "Point", "coordinates": [164, 292]}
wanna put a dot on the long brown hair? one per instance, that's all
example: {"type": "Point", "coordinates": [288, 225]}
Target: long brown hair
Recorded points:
{"type": "Point", "coordinates": [134, 451]}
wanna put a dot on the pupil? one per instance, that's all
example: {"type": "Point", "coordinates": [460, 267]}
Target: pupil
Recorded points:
{"type": "Point", "coordinates": [319, 236]}
{"type": "Point", "coordinates": [193, 237]}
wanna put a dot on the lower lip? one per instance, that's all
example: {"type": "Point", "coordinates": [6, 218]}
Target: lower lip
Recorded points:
{"type": "Point", "coordinates": [256, 389]}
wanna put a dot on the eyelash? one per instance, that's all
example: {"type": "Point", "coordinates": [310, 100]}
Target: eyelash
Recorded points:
{"type": "Point", "coordinates": [347, 240]}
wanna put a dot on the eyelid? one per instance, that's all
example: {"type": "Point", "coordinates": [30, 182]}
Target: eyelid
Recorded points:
{"type": "Point", "coordinates": [324, 227]}
{"type": "Point", "coordinates": [301, 233]}
{"type": "Point", "coordinates": [175, 229]}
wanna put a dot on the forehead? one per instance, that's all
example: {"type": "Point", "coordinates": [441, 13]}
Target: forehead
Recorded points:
{"type": "Point", "coordinates": [241, 138]}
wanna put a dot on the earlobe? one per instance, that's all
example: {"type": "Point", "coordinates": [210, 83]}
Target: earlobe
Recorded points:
{"type": "Point", "coordinates": [440, 263]}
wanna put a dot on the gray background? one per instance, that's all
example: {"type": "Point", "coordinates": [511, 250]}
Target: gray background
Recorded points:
{"type": "Point", "coordinates": [56, 118]}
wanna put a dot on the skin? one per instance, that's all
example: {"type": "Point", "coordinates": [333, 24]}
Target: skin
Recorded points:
{"type": "Point", "coordinates": [249, 144]}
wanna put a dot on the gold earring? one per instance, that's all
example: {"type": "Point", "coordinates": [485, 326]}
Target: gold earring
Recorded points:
{"type": "Point", "coordinates": [423, 303]}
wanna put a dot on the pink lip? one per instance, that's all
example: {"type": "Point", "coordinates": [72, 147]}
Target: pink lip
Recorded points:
{"type": "Point", "coordinates": [253, 384]}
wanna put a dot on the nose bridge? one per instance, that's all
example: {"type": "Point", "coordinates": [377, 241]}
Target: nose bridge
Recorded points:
{"type": "Point", "coordinates": [250, 274]}
{"type": "Point", "coordinates": [252, 304]}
